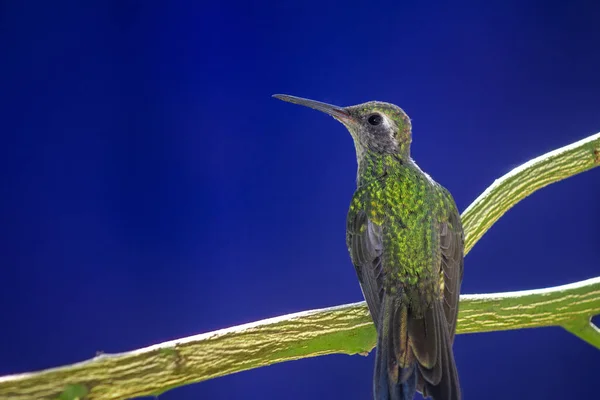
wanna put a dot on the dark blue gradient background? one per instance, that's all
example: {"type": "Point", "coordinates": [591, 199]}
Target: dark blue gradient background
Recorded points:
{"type": "Point", "coordinates": [153, 189]}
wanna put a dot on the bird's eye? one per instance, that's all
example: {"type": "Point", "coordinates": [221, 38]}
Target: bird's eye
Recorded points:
{"type": "Point", "coordinates": [374, 119]}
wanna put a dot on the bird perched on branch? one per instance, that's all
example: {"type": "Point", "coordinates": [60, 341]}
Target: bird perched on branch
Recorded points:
{"type": "Point", "coordinates": [406, 241]}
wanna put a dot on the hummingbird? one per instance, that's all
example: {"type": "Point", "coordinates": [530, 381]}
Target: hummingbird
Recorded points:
{"type": "Point", "coordinates": [406, 241]}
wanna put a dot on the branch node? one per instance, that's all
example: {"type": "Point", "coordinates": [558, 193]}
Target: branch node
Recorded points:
{"type": "Point", "coordinates": [585, 330]}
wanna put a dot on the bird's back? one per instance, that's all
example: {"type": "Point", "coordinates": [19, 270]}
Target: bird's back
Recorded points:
{"type": "Point", "coordinates": [405, 240]}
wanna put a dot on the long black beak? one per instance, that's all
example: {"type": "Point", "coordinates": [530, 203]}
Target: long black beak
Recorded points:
{"type": "Point", "coordinates": [336, 112]}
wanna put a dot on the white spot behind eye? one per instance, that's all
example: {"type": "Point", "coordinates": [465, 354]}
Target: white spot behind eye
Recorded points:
{"type": "Point", "coordinates": [387, 123]}
{"type": "Point", "coordinates": [390, 127]}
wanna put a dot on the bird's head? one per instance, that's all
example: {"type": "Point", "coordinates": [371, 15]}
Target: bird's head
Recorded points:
{"type": "Point", "coordinates": [376, 127]}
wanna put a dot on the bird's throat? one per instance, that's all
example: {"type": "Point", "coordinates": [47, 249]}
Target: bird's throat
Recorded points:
{"type": "Point", "coordinates": [372, 166]}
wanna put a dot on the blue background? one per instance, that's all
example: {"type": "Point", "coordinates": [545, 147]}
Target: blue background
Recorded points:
{"type": "Point", "coordinates": [152, 188]}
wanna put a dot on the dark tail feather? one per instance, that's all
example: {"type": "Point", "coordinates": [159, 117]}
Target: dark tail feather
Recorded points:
{"type": "Point", "coordinates": [389, 381]}
{"type": "Point", "coordinates": [448, 388]}
{"type": "Point", "coordinates": [422, 346]}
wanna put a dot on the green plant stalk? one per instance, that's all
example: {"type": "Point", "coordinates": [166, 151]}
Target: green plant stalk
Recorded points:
{"type": "Point", "coordinates": [344, 329]}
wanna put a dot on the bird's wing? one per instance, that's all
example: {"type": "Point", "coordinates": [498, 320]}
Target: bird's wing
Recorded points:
{"type": "Point", "coordinates": [364, 239]}
{"type": "Point", "coordinates": [452, 266]}
{"type": "Point", "coordinates": [441, 381]}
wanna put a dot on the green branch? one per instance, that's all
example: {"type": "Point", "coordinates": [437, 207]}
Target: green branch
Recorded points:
{"type": "Point", "coordinates": [522, 181]}
{"type": "Point", "coordinates": [345, 329]}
